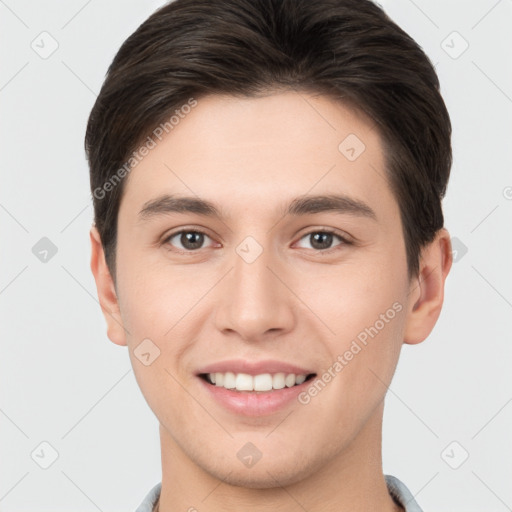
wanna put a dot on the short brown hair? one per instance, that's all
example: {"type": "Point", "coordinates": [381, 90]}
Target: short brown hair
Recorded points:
{"type": "Point", "coordinates": [349, 50]}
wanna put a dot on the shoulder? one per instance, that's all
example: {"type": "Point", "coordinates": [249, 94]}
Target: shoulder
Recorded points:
{"type": "Point", "coordinates": [150, 500]}
{"type": "Point", "coordinates": [401, 494]}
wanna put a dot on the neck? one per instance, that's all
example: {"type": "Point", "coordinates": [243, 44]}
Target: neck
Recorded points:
{"type": "Point", "coordinates": [351, 480]}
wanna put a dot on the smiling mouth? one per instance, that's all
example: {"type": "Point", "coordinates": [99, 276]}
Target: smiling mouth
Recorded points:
{"type": "Point", "coordinates": [262, 383]}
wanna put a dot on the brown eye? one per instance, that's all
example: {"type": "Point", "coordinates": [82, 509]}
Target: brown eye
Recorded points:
{"type": "Point", "coordinates": [189, 240]}
{"type": "Point", "coordinates": [322, 240]}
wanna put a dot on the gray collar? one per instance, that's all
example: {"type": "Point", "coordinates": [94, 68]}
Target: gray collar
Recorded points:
{"type": "Point", "coordinates": [396, 488]}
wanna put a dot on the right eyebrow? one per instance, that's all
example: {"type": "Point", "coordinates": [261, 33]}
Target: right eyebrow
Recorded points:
{"type": "Point", "coordinates": [178, 204]}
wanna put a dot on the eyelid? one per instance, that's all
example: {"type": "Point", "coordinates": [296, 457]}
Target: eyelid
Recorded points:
{"type": "Point", "coordinates": [172, 234]}
{"type": "Point", "coordinates": [344, 237]}
{"type": "Point", "coordinates": [325, 229]}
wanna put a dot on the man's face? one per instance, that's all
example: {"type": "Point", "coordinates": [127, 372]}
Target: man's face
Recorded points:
{"type": "Point", "coordinates": [264, 285]}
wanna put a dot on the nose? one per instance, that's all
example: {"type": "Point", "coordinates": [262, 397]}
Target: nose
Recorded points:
{"type": "Point", "coordinates": [254, 300]}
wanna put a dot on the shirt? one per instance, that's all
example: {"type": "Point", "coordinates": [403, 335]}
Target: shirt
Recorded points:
{"type": "Point", "coordinates": [398, 491]}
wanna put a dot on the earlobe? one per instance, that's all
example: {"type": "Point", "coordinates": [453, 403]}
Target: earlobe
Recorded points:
{"type": "Point", "coordinates": [107, 295]}
{"type": "Point", "coordinates": [427, 290]}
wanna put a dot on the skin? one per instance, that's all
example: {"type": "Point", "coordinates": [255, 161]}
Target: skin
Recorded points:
{"type": "Point", "coordinates": [294, 303]}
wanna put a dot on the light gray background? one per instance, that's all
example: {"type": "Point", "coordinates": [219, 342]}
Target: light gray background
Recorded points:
{"type": "Point", "coordinates": [64, 382]}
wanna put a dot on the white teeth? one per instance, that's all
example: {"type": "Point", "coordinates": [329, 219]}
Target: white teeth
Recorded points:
{"type": "Point", "coordinates": [278, 381]}
{"type": "Point", "coordinates": [299, 379]}
{"type": "Point", "coordinates": [229, 380]}
{"type": "Point", "coordinates": [290, 380]}
{"type": "Point", "coordinates": [261, 382]}
{"type": "Point", "coordinates": [244, 382]}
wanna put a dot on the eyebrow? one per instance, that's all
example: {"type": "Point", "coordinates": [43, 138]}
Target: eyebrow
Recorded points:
{"type": "Point", "coordinates": [303, 205]}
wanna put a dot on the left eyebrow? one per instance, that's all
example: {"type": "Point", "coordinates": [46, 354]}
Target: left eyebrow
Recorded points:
{"type": "Point", "coordinates": [303, 205]}
{"type": "Point", "coordinates": [336, 203]}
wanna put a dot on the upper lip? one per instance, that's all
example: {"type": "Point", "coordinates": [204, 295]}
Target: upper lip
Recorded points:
{"type": "Point", "coordinates": [254, 367]}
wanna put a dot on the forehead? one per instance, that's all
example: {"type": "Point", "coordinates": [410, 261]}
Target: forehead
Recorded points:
{"type": "Point", "coordinates": [237, 150]}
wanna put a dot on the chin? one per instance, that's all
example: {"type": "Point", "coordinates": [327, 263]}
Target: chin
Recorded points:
{"type": "Point", "coordinates": [263, 476]}
{"type": "Point", "coordinates": [261, 481]}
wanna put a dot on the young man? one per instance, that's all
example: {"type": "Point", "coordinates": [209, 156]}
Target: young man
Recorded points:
{"type": "Point", "coordinates": [267, 179]}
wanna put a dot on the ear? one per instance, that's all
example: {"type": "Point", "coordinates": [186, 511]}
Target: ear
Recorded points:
{"type": "Point", "coordinates": [106, 290]}
{"type": "Point", "coordinates": [427, 290]}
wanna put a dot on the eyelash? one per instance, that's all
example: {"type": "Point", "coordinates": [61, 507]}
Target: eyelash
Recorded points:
{"type": "Point", "coordinates": [343, 240]}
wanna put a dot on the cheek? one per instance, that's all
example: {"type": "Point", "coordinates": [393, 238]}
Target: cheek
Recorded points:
{"type": "Point", "coordinates": [371, 358]}
{"type": "Point", "coordinates": [362, 313]}
{"type": "Point", "coordinates": [349, 298]}
{"type": "Point", "coordinates": [160, 304]}
{"type": "Point", "coordinates": [152, 296]}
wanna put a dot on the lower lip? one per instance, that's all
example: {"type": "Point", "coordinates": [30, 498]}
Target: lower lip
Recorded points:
{"type": "Point", "coordinates": [249, 403]}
